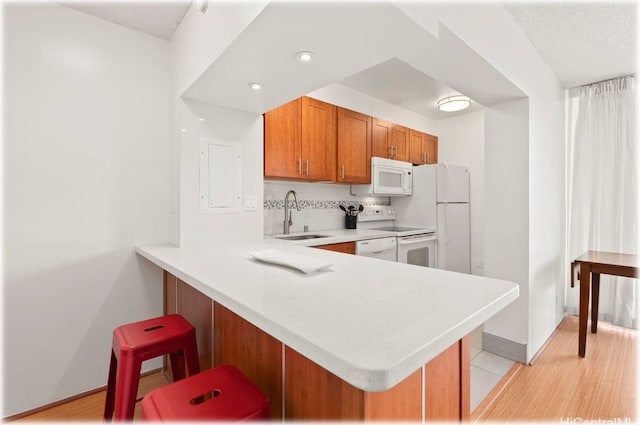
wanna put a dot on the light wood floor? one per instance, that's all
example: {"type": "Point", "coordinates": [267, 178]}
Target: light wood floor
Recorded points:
{"type": "Point", "coordinates": [91, 407]}
{"type": "Point", "coordinates": [562, 386]}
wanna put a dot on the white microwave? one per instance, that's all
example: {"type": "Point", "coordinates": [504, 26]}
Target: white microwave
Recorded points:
{"type": "Point", "coordinates": [388, 178]}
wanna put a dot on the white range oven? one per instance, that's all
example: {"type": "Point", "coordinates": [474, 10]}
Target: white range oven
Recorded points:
{"type": "Point", "coordinates": [414, 245]}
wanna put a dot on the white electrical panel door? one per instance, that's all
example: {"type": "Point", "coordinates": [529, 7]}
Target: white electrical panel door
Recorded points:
{"type": "Point", "coordinates": [219, 176]}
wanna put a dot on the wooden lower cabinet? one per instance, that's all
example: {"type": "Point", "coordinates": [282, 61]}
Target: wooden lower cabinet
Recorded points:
{"type": "Point", "coordinates": [447, 378]}
{"type": "Point", "coordinates": [197, 308]}
{"type": "Point", "coordinates": [321, 395]}
{"type": "Point", "coordinates": [300, 389]}
{"type": "Point", "coordinates": [257, 354]}
{"type": "Point", "coordinates": [345, 247]}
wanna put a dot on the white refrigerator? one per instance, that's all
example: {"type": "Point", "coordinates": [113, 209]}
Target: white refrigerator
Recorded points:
{"type": "Point", "coordinates": [440, 200]}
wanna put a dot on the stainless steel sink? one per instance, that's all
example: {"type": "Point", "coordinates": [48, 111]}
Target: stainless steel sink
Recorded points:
{"type": "Point", "coordinates": [300, 237]}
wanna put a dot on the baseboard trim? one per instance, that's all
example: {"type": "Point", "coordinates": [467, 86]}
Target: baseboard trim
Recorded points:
{"type": "Point", "coordinates": [546, 343]}
{"type": "Point", "coordinates": [66, 400]}
{"type": "Point", "coordinates": [504, 347]}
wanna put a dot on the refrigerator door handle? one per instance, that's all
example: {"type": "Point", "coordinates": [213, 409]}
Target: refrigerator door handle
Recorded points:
{"type": "Point", "coordinates": [445, 236]}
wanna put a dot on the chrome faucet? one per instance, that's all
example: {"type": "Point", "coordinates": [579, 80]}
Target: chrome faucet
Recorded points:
{"type": "Point", "coordinates": [287, 214]}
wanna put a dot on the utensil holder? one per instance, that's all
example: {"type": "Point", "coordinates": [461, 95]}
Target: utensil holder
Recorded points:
{"type": "Point", "coordinates": [350, 221]}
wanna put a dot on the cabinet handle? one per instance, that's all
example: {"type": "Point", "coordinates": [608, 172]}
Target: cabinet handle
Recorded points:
{"type": "Point", "coordinates": [424, 158]}
{"type": "Point", "coordinates": [390, 151]}
{"type": "Point", "coordinates": [299, 165]}
{"type": "Point", "coordinates": [307, 167]}
{"type": "Point", "coordinates": [427, 155]}
{"type": "Point", "coordinates": [395, 151]}
{"type": "Point", "coordinates": [342, 171]}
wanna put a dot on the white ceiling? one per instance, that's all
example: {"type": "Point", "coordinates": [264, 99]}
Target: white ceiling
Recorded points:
{"type": "Point", "coordinates": [157, 18]}
{"type": "Point", "coordinates": [582, 41]}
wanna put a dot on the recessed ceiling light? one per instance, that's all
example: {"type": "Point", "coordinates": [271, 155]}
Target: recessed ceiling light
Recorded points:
{"type": "Point", "coordinates": [200, 119]}
{"type": "Point", "coordinates": [202, 5]}
{"type": "Point", "coordinates": [453, 103]}
{"type": "Point", "coordinates": [255, 86]}
{"type": "Point", "coordinates": [305, 56]}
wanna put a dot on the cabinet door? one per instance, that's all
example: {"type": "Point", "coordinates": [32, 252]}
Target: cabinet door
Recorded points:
{"type": "Point", "coordinates": [431, 149]}
{"type": "Point", "coordinates": [345, 247]}
{"type": "Point", "coordinates": [400, 142]}
{"type": "Point", "coordinates": [318, 140]}
{"type": "Point", "coordinates": [416, 147]}
{"type": "Point", "coordinates": [354, 147]}
{"type": "Point", "coordinates": [381, 138]}
{"type": "Point", "coordinates": [282, 153]}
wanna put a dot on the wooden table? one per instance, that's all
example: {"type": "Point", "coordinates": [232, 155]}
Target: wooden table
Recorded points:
{"type": "Point", "coordinates": [595, 263]}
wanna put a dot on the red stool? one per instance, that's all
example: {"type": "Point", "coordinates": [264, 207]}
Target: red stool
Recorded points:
{"type": "Point", "coordinates": [222, 393]}
{"type": "Point", "coordinates": [140, 341]}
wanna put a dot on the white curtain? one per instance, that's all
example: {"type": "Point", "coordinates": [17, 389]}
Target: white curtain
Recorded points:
{"type": "Point", "coordinates": [603, 190]}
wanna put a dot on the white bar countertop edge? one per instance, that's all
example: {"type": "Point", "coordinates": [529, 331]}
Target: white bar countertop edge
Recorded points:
{"type": "Point", "coordinates": [370, 322]}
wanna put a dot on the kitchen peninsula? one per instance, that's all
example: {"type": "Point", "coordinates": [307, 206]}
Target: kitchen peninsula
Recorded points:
{"type": "Point", "coordinates": [361, 340]}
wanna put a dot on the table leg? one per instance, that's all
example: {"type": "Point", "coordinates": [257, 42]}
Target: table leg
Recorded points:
{"type": "Point", "coordinates": [585, 275]}
{"type": "Point", "coordinates": [595, 296]}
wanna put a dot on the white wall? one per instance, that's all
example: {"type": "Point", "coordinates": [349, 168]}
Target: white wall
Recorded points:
{"type": "Point", "coordinates": [506, 228]}
{"type": "Point", "coordinates": [544, 184]}
{"type": "Point", "coordinates": [232, 126]}
{"type": "Point", "coordinates": [196, 43]}
{"type": "Point", "coordinates": [86, 175]}
{"type": "Point", "coordinates": [201, 38]}
{"type": "Point", "coordinates": [508, 50]}
{"type": "Point", "coordinates": [461, 142]}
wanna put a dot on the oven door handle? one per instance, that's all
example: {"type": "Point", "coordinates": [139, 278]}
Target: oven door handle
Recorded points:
{"type": "Point", "coordinates": [416, 240]}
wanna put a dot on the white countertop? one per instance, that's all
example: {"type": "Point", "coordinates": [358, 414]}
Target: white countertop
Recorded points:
{"type": "Point", "coordinates": [370, 322]}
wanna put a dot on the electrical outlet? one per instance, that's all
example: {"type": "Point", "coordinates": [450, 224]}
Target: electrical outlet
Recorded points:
{"type": "Point", "coordinates": [250, 203]}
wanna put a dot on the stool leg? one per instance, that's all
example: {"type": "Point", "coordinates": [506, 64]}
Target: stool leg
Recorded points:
{"type": "Point", "coordinates": [111, 388]}
{"type": "Point", "coordinates": [177, 365]}
{"type": "Point", "coordinates": [191, 354]}
{"type": "Point", "coordinates": [128, 375]}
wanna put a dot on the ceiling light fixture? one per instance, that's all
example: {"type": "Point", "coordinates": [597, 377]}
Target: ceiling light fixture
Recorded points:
{"type": "Point", "coordinates": [255, 86]}
{"type": "Point", "coordinates": [454, 103]}
{"type": "Point", "coordinates": [305, 56]}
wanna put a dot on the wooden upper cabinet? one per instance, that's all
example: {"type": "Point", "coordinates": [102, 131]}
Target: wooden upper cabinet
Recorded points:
{"type": "Point", "coordinates": [310, 140]}
{"type": "Point", "coordinates": [282, 148]}
{"type": "Point", "coordinates": [423, 148]}
{"type": "Point", "coordinates": [300, 140]}
{"type": "Point", "coordinates": [354, 147]}
{"type": "Point", "coordinates": [431, 149]}
{"type": "Point", "coordinates": [416, 147]}
{"type": "Point", "coordinates": [400, 143]}
{"type": "Point", "coordinates": [381, 138]}
{"type": "Point", "coordinates": [390, 140]}
{"type": "Point", "coordinates": [318, 140]}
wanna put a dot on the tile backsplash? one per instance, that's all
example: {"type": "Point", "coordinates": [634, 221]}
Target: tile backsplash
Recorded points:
{"type": "Point", "coordinates": [318, 205]}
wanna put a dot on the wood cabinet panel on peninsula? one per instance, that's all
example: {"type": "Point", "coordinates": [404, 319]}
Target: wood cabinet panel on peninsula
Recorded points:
{"type": "Point", "coordinates": [300, 389]}
{"type": "Point", "coordinates": [354, 147]}
{"type": "Point", "coordinates": [300, 141]}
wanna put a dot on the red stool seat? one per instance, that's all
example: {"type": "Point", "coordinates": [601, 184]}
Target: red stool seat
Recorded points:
{"type": "Point", "coordinates": [136, 342]}
{"type": "Point", "coordinates": [222, 393]}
